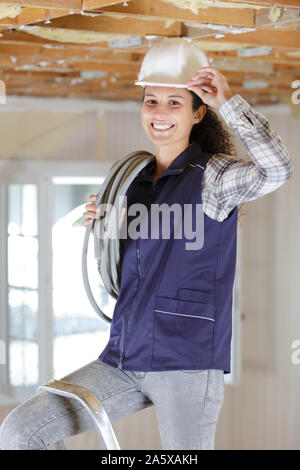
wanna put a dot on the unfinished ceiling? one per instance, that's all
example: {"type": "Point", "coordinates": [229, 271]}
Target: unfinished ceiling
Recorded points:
{"type": "Point", "coordinates": [94, 48]}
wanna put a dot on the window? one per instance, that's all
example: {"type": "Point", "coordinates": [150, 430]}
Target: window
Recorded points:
{"type": "Point", "coordinates": [22, 301]}
{"type": "Point", "coordinates": [47, 325]}
{"type": "Point", "coordinates": [77, 329]}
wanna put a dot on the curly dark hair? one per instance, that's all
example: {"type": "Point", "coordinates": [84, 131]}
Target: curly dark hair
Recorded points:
{"type": "Point", "coordinates": [206, 131]}
{"type": "Point", "coordinates": [208, 128]}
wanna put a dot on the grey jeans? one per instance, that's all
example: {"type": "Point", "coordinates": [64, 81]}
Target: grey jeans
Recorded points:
{"type": "Point", "coordinates": [187, 405]}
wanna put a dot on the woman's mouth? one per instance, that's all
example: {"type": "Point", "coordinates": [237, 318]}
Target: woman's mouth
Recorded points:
{"type": "Point", "coordinates": [162, 127]}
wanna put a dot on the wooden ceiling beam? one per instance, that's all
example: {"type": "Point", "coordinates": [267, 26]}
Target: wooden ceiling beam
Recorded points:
{"type": "Point", "coordinates": [35, 66]}
{"type": "Point", "coordinates": [67, 92]}
{"type": "Point", "coordinates": [33, 15]}
{"type": "Point", "coordinates": [43, 63]}
{"type": "Point", "coordinates": [25, 63]}
{"type": "Point", "coordinates": [77, 53]}
{"type": "Point", "coordinates": [270, 58]}
{"type": "Point", "coordinates": [108, 24]}
{"type": "Point", "coordinates": [107, 86]}
{"type": "Point", "coordinates": [160, 10]}
{"type": "Point", "coordinates": [269, 3]}
{"type": "Point", "coordinates": [32, 53]}
{"type": "Point", "coordinates": [75, 5]}
{"type": "Point", "coordinates": [121, 95]}
{"type": "Point", "coordinates": [265, 37]}
{"type": "Point", "coordinates": [37, 79]}
{"type": "Point", "coordinates": [93, 4]}
{"type": "Point", "coordinates": [32, 76]}
{"type": "Point", "coordinates": [18, 37]}
{"type": "Point", "coordinates": [287, 19]}
{"type": "Point", "coordinates": [280, 75]}
{"type": "Point", "coordinates": [105, 66]}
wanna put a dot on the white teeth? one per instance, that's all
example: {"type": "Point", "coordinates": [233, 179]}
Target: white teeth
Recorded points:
{"type": "Point", "coordinates": [163, 127]}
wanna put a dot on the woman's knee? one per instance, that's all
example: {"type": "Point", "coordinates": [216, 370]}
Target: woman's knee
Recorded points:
{"type": "Point", "coordinates": [19, 429]}
{"type": "Point", "coordinates": [16, 432]}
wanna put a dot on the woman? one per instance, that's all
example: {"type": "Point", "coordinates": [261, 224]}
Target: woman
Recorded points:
{"type": "Point", "coordinates": [170, 334]}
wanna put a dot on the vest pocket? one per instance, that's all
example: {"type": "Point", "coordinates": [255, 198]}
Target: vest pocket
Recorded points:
{"type": "Point", "coordinates": [196, 295]}
{"type": "Point", "coordinates": [182, 333]}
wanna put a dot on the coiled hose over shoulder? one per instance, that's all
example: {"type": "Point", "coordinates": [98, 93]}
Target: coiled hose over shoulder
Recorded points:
{"type": "Point", "coordinates": [107, 249]}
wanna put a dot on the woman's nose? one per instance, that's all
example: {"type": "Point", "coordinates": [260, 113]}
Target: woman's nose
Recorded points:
{"type": "Point", "coordinates": [161, 110]}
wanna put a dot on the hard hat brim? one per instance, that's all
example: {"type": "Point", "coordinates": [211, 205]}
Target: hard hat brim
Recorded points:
{"type": "Point", "coordinates": [175, 85]}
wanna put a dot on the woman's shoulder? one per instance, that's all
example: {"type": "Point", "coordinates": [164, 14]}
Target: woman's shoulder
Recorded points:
{"type": "Point", "coordinates": [217, 164]}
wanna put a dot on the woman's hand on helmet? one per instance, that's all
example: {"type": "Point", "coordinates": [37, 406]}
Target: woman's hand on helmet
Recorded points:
{"type": "Point", "coordinates": [92, 212]}
{"type": "Point", "coordinates": [211, 86]}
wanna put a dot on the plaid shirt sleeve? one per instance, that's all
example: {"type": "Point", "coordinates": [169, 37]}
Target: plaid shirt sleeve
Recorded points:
{"type": "Point", "coordinates": [228, 180]}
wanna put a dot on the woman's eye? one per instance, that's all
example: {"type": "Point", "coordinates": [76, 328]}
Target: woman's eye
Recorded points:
{"type": "Point", "coordinates": [154, 101]}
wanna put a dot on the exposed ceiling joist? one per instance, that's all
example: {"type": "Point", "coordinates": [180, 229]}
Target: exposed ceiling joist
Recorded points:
{"type": "Point", "coordinates": [93, 4]}
{"type": "Point", "coordinates": [62, 4]}
{"type": "Point", "coordinates": [270, 3]}
{"type": "Point", "coordinates": [94, 48]}
{"type": "Point", "coordinates": [159, 9]}
{"type": "Point", "coordinates": [108, 24]}
{"type": "Point", "coordinates": [275, 38]}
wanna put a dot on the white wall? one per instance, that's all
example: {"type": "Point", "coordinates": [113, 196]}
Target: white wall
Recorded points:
{"type": "Point", "coordinates": [263, 412]}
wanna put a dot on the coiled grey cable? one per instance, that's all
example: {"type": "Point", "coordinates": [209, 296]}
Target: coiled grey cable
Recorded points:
{"type": "Point", "coordinates": [107, 249]}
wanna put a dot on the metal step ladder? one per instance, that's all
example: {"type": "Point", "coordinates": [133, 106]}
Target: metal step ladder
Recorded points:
{"type": "Point", "coordinates": [92, 404]}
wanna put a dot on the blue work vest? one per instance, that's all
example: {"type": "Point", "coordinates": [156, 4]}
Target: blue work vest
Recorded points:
{"type": "Point", "coordinates": [174, 309]}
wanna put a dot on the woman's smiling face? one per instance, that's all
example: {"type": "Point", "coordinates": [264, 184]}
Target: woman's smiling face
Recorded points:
{"type": "Point", "coordinates": [167, 114]}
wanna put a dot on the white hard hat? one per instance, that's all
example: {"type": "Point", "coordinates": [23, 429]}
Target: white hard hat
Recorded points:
{"type": "Point", "coordinates": [171, 62]}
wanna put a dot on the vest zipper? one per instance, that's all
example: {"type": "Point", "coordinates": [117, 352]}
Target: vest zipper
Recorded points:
{"type": "Point", "coordinates": [139, 272]}
{"type": "Point", "coordinates": [127, 315]}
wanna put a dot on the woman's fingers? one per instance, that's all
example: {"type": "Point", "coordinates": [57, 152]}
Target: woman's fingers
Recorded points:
{"type": "Point", "coordinates": [212, 74]}
{"type": "Point", "coordinates": [203, 74]}
{"type": "Point", "coordinates": [91, 207]}
{"type": "Point", "coordinates": [209, 70]}
{"type": "Point", "coordinates": [92, 211]}
{"type": "Point", "coordinates": [203, 83]}
{"type": "Point", "coordinates": [202, 80]}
